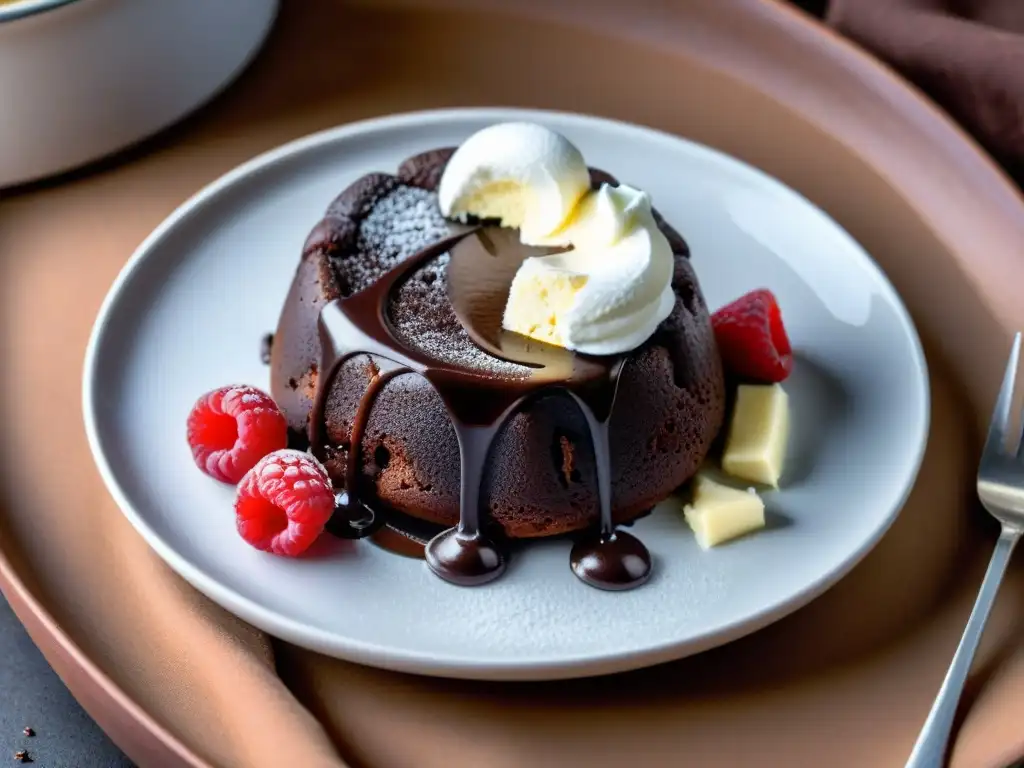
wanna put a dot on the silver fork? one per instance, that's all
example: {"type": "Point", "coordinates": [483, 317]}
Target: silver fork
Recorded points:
{"type": "Point", "coordinates": [1001, 490]}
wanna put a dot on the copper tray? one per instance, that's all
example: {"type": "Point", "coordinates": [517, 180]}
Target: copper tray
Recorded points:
{"type": "Point", "coordinates": [750, 77]}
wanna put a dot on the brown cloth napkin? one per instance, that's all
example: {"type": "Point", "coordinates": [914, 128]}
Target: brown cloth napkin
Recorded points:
{"type": "Point", "coordinates": [844, 682]}
{"type": "Point", "coordinates": [967, 55]}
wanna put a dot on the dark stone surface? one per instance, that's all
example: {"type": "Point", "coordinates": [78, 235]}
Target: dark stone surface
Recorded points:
{"type": "Point", "coordinates": [31, 695]}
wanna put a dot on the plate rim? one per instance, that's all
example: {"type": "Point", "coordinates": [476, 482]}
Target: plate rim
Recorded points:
{"type": "Point", "coordinates": [428, 663]}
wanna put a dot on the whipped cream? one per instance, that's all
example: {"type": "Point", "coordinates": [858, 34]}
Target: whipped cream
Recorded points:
{"type": "Point", "coordinates": [521, 174]}
{"type": "Point", "coordinates": [611, 291]}
{"type": "Point", "coordinates": [605, 296]}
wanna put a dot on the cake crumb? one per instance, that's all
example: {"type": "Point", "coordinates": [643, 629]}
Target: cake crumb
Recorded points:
{"type": "Point", "coordinates": [266, 348]}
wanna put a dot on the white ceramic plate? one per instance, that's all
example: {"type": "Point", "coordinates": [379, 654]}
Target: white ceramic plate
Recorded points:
{"type": "Point", "coordinates": [187, 313]}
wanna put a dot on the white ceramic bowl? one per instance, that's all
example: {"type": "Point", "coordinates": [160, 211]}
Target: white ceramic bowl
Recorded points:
{"type": "Point", "coordinates": [80, 79]}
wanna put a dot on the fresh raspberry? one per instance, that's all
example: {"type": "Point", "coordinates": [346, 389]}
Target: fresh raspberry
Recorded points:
{"type": "Point", "coordinates": [232, 428]}
{"type": "Point", "coordinates": [284, 502]}
{"type": "Point", "coordinates": [751, 338]}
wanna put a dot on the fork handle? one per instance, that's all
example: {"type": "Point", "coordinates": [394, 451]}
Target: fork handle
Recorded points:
{"type": "Point", "coordinates": [933, 742]}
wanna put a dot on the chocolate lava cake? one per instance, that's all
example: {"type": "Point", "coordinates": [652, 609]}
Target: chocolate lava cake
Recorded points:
{"type": "Point", "coordinates": [540, 478]}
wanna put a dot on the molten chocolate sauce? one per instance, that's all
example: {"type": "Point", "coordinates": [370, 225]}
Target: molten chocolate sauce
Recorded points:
{"type": "Point", "coordinates": [401, 542]}
{"type": "Point", "coordinates": [482, 263]}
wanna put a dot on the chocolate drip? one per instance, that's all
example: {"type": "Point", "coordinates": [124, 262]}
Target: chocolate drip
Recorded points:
{"type": "Point", "coordinates": [400, 541]}
{"type": "Point", "coordinates": [404, 535]}
{"type": "Point", "coordinates": [483, 262]}
{"type": "Point", "coordinates": [359, 423]}
{"type": "Point", "coordinates": [353, 518]}
{"type": "Point", "coordinates": [609, 559]}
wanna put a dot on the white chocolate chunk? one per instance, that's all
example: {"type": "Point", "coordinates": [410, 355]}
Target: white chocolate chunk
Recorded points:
{"type": "Point", "coordinates": [756, 445]}
{"type": "Point", "coordinates": [720, 513]}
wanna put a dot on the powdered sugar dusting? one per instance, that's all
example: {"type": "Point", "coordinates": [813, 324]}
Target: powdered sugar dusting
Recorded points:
{"type": "Point", "coordinates": [423, 317]}
{"type": "Point", "coordinates": [399, 225]}
{"type": "Point", "coordinates": [456, 348]}
{"type": "Point", "coordinates": [403, 222]}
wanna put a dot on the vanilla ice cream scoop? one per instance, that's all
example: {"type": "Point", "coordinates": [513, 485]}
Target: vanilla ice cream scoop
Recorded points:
{"type": "Point", "coordinates": [605, 296]}
{"type": "Point", "coordinates": [522, 174]}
